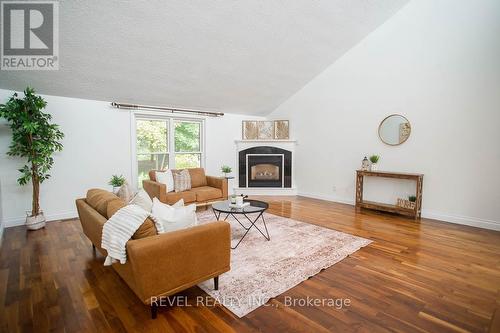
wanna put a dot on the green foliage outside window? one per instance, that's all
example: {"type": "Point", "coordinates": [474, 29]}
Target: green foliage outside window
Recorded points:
{"type": "Point", "coordinates": [151, 136]}
{"type": "Point", "coordinates": [187, 137]}
{"type": "Point", "coordinates": [152, 145]}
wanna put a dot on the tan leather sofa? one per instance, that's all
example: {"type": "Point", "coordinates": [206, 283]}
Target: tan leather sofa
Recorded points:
{"type": "Point", "coordinates": [164, 264]}
{"type": "Point", "coordinates": [204, 189]}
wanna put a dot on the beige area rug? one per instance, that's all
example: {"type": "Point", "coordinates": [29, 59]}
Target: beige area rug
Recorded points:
{"type": "Point", "coordinates": [262, 269]}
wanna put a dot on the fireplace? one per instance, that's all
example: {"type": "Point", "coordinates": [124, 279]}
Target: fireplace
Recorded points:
{"type": "Point", "coordinates": [260, 172]}
{"type": "Point", "coordinates": [264, 170]}
{"type": "Point", "coordinates": [265, 167]}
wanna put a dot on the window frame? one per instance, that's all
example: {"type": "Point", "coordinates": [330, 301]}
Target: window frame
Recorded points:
{"type": "Point", "coordinates": [171, 120]}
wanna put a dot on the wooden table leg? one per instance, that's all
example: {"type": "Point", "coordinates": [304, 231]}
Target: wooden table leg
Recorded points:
{"type": "Point", "coordinates": [359, 191]}
{"type": "Point", "coordinates": [418, 202]}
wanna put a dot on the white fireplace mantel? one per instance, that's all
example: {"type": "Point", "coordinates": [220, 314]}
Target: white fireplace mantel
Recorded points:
{"type": "Point", "coordinates": [261, 141]}
{"type": "Point", "coordinates": [266, 142]}
{"type": "Point", "coordinates": [284, 144]}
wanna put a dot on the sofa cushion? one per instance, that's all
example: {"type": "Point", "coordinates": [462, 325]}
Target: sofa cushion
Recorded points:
{"type": "Point", "coordinates": [206, 193]}
{"type": "Point", "coordinates": [147, 229]}
{"type": "Point", "coordinates": [99, 199]}
{"type": "Point", "coordinates": [173, 197]}
{"type": "Point", "coordinates": [114, 206]}
{"type": "Point", "coordinates": [198, 177]}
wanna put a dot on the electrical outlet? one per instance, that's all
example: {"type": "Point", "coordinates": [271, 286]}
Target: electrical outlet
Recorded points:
{"type": "Point", "coordinates": [334, 188]}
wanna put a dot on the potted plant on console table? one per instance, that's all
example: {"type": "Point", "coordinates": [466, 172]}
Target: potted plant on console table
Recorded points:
{"type": "Point", "coordinates": [34, 139]}
{"type": "Point", "coordinates": [374, 159]}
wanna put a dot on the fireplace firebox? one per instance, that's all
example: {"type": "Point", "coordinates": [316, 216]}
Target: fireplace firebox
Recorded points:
{"type": "Point", "coordinates": [264, 172]}
{"type": "Point", "coordinates": [265, 167]}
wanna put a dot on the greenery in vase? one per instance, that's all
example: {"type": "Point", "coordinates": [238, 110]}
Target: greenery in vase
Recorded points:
{"type": "Point", "coordinates": [412, 198]}
{"type": "Point", "coordinates": [374, 159]}
{"type": "Point", "coordinates": [117, 181]}
{"type": "Point", "coordinates": [34, 138]}
{"type": "Point", "coordinates": [226, 169]}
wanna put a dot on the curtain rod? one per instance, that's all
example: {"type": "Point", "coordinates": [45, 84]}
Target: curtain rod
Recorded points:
{"type": "Point", "coordinates": [164, 108]}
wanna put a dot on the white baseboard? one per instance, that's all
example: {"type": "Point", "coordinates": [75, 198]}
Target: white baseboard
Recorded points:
{"type": "Point", "coordinates": [17, 221]}
{"type": "Point", "coordinates": [265, 191]}
{"type": "Point", "coordinates": [1, 234]}
{"type": "Point", "coordinates": [465, 220]}
{"type": "Point", "coordinates": [457, 219]}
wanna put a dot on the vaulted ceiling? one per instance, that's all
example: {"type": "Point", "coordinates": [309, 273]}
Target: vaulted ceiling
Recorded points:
{"type": "Point", "coordinates": [240, 56]}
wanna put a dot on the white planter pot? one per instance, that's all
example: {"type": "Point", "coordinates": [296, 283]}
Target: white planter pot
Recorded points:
{"type": "Point", "coordinates": [35, 222]}
{"type": "Point", "coordinates": [116, 189]}
{"type": "Point", "coordinates": [374, 167]}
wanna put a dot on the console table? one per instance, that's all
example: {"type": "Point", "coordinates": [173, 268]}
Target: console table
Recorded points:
{"type": "Point", "coordinates": [360, 203]}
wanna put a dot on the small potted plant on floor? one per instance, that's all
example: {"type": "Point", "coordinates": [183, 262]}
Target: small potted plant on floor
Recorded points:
{"type": "Point", "coordinates": [374, 159]}
{"type": "Point", "coordinates": [34, 139]}
{"type": "Point", "coordinates": [225, 170]}
{"type": "Point", "coordinates": [117, 182]}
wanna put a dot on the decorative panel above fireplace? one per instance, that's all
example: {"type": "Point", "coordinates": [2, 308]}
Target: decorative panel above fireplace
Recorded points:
{"type": "Point", "coordinates": [265, 167]}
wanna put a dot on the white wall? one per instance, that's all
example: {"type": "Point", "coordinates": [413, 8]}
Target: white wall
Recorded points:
{"type": "Point", "coordinates": [438, 64]}
{"type": "Point", "coordinates": [220, 136]}
{"type": "Point", "coordinates": [96, 145]}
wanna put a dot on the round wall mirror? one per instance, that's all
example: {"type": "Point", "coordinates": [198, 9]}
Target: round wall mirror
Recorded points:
{"type": "Point", "coordinates": [394, 130]}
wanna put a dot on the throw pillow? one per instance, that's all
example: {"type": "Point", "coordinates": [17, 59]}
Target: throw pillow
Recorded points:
{"type": "Point", "coordinates": [125, 192]}
{"type": "Point", "coordinates": [165, 177]}
{"type": "Point", "coordinates": [161, 210]}
{"type": "Point", "coordinates": [182, 181]}
{"type": "Point", "coordinates": [174, 217]}
{"type": "Point", "coordinates": [143, 200]}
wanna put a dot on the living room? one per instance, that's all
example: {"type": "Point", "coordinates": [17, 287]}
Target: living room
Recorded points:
{"type": "Point", "coordinates": [299, 166]}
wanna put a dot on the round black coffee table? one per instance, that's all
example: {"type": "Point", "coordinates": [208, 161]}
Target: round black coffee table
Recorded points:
{"type": "Point", "coordinates": [256, 207]}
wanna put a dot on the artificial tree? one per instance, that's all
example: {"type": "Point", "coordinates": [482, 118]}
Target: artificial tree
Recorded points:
{"type": "Point", "coordinates": [35, 139]}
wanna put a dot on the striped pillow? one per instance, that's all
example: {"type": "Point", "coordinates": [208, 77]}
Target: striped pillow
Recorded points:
{"type": "Point", "coordinates": [182, 181]}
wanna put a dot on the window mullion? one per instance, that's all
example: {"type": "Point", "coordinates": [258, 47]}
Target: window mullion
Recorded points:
{"type": "Point", "coordinates": [171, 143]}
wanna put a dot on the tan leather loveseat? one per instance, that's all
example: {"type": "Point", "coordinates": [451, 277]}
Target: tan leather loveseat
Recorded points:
{"type": "Point", "coordinates": [204, 189]}
{"type": "Point", "coordinates": [159, 265]}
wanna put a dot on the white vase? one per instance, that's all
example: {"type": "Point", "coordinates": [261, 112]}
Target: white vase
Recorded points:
{"type": "Point", "coordinates": [35, 222]}
{"type": "Point", "coordinates": [116, 189]}
{"type": "Point", "coordinates": [374, 167]}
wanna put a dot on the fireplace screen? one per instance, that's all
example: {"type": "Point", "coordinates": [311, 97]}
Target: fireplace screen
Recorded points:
{"type": "Point", "coordinates": [264, 172]}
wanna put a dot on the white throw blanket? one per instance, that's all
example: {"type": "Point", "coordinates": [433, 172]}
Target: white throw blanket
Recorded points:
{"type": "Point", "coordinates": [118, 230]}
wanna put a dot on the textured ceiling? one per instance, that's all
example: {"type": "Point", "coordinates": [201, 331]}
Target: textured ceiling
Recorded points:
{"type": "Point", "coordinates": [231, 56]}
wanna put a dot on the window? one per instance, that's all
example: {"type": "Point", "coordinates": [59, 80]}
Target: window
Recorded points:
{"type": "Point", "coordinates": [187, 144]}
{"type": "Point", "coordinates": [167, 143]}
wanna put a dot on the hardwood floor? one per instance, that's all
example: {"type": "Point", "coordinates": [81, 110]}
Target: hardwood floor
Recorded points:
{"type": "Point", "coordinates": [415, 277]}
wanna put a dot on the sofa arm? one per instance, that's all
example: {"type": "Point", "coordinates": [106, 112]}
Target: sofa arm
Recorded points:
{"type": "Point", "coordinates": [218, 182]}
{"type": "Point", "coordinates": [155, 189]}
{"type": "Point", "coordinates": [171, 262]}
